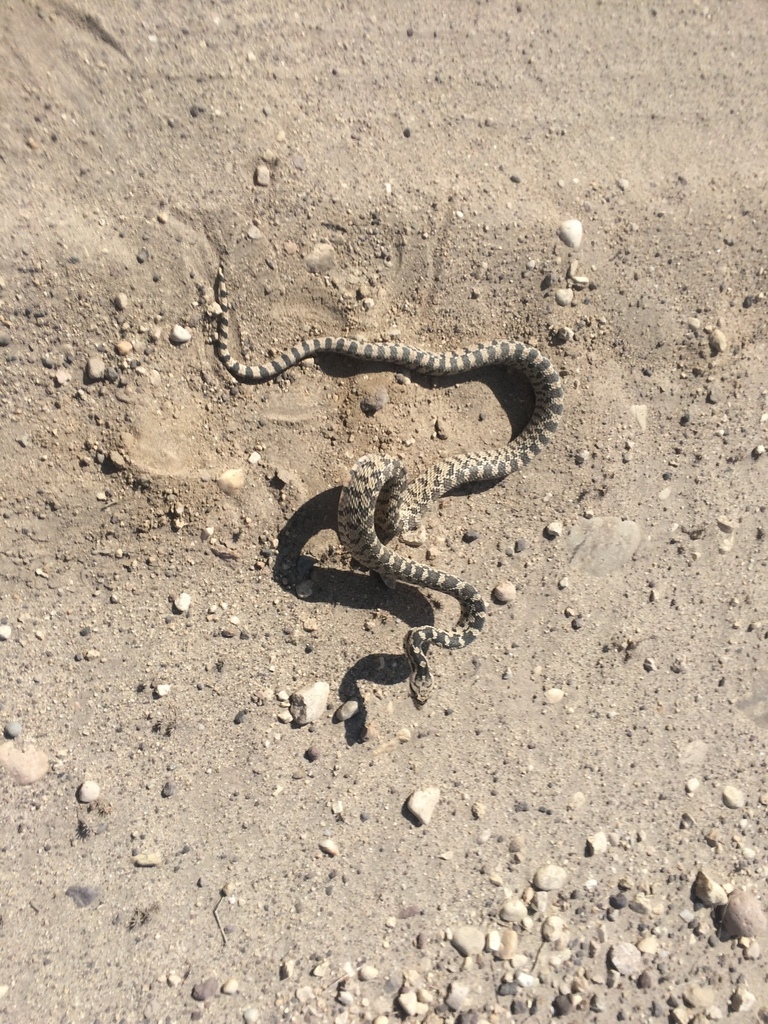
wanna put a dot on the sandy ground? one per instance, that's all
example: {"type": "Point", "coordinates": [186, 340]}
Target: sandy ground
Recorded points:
{"type": "Point", "coordinates": [414, 163]}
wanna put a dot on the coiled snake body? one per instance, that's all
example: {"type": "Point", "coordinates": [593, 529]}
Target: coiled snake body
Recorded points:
{"type": "Point", "coordinates": [378, 503]}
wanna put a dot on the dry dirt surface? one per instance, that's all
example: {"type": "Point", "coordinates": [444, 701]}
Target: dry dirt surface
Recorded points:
{"type": "Point", "coordinates": [591, 772]}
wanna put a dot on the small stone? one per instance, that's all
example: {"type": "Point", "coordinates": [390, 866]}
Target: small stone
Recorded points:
{"type": "Point", "coordinates": [347, 710]}
{"type": "Point", "coordinates": [182, 603]}
{"type": "Point", "coordinates": [513, 911]}
{"type": "Point", "coordinates": [367, 972]}
{"type": "Point", "coordinates": [88, 792]}
{"type": "Point", "coordinates": [263, 176]}
{"type": "Point", "coordinates": [309, 703]}
{"type": "Point", "coordinates": [744, 916]}
{"type": "Point", "coordinates": [458, 994]}
{"type": "Point", "coordinates": [5, 631]}
{"type": "Point", "coordinates": [571, 233]}
{"type": "Point", "coordinates": [12, 730]}
{"type": "Point", "coordinates": [330, 847]}
{"type": "Point", "coordinates": [742, 1000]}
{"type": "Point", "coordinates": [564, 296]}
{"type": "Point", "coordinates": [597, 844]}
{"type": "Point", "coordinates": [468, 940]}
{"type": "Point", "coordinates": [95, 369]}
{"type": "Point", "coordinates": [709, 892]}
{"type": "Point", "coordinates": [321, 259]}
{"type": "Point", "coordinates": [422, 803]}
{"type": "Point", "coordinates": [553, 530]}
{"type": "Point", "coordinates": [120, 301]}
{"type": "Point", "coordinates": [179, 335]}
{"type": "Point", "coordinates": [24, 766]}
{"type": "Point", "coordinates": [550, 878]}
{"type": "Point", "coordinates": [313, 753]}
{"type": "Point", "coordinates": [691, 786]}
{"type": "Point", "coordinates": [251, 1015]}
{"type": "Point", "coordinates": [83, 895]}
{"type": "Point", "coordinates": [168, 790]}
{"type": "Point", "coordinates": [554, 695]}
{"type": "Point", "coordinates": [552, 928]}
{"type": "Point", "coordinates": [717, 342]}
{"type": "Point", "coordinates": [231, 480]}
{"type": "Point", "coordinates": [625, 958]}
{"type": "Point", "coordinates": [375, 401]}
{"type": "Point", "coordinates": [230, 987]}
{"type": "Point", "coordinates": [699, 997]}
{"type": "Point", "coordinates": [148, 860]}
{"type": "Point", "coordinates": [162, 689]}
{"type": "Point", "coordinates": [508, 940]}
{"type": "Point", "coordinates": [205, 990]}
{"type": "Point", "coordinates": [504, 592]}
{"type": "Point", "coordinates": [733, 798]}
{"type": "Point", "coordinates": [409, 1003]}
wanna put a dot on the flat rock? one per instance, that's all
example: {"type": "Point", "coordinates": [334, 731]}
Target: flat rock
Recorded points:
{"type": "Point", "coordinates": [204, 990]}
{"type": "Point", "coordinates": [83, 895]}
{"type": "Point", "coordinates": [321, 259]}
{"type": "Point", "coordinates": [24, 766]}
{"type": "Point", "coordinates": [601, 545]}
{"type": "Point", "coordinates": [626, 958]}
{"type": "Point", "coordinates": [571, 233]}
{"type": "Point", "coordinates": [709, 892]}
{"type": "Point", "coordinates": [422, 803]}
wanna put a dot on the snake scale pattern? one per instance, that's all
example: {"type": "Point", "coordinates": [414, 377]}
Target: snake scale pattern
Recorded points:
{"type": "Point", "coordinates": [378, 503]}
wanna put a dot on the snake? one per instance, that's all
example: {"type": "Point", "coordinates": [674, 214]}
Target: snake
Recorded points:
{"type": "Point", "coordinates": [377, 503]}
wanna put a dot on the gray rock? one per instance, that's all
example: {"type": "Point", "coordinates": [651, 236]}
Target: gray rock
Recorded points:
{"type": "Point", "coordinates": [625, 958]}
{"type": "Point", "coordinates": [12, 730]}
{"type": "Point", "coordinates": [83, 895]}
{"type": "Point", "coordinates": [744, 916]}
{"type": "Point", "coordinates": [179, 335]}
{"type": "Point", "coordinates": [204, 990]}
{"type": "Point", "coordinates": [468, 940]}
{"type": "Point", "coordinates": [95, 369]}
{"type": "Point", "coordinates": [550, 877]}
{"type": "Point", "coordinates": [321, 259]}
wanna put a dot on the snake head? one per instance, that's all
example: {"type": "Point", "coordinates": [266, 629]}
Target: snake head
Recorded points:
{"type": "Point", "coordinates": [420, 685]}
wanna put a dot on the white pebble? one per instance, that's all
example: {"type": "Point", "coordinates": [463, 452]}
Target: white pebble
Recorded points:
{"type": "Point", "coordinates": [231, 480]}
{"type": "Point", "coordinates": [733, 798]}
{"type": "Point", "coordinates": [5, 631]}
{"type": "Point", "coordinates": [182, 602]}
{"type": "Point", "coordinates": [120, 301]}
{"type": "Point", "coordinates": [717, 342]}
{"type": "Point", "coordinates": [692, 785]}
{"type": "Point", "coordinates": [251, 1015]}
{"type": "Point", "coordinates": [330, 847]}
{"type": "Point", "coordinates": [230, 987]}
{"type": "Point", "coordinates": [626, 958]}
{"type": "Point", "coordinates": [554, 529]}
{"type": "Point", "coordinates": [504, 592]}
{"type": "Point", "coordinates": [88, 792]}
{"type": "Point", "coordinates": [422, 803]}
{"type": "Point", "coordinates": [564, 296]}
{"type": "Point", "coordinates": [571, 233]}
{"type": "Point", "coordinates": [468, 940]}
{"type": "Point", "coordinates": [597, 844]}
{"type": "Point", "coordinates": [550, 877]}
{"type": "Point", "coordinates": [179, 335]}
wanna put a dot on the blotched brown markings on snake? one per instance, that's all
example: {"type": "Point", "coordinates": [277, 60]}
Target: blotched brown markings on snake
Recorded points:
{"type": "Point", "coordinates": [378, 503]}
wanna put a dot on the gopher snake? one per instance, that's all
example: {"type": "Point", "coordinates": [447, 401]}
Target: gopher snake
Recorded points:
{"type": "Point", "coordinates": [377, 502]}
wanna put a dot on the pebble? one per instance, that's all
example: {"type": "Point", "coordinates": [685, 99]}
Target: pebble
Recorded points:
{"type": "Point", "coordinates": [564, 296]}
{"type": "Point", "coordinates": [24, 766]}
{"type": "Point", "coordinates": [699, 997]}
{"type": "Point", "coordinates": [422, 803]}
{"type": "Point", "coordinates": [182, 603]}
{"type": "Point", "coordinates": [692, 785]}
{"type": "Point", "coordinates": [88, 792]}
{"type": "Point", "coordinates": [179, 335]}
{"type": "Point", "coordinates": [330, 847]}
{"type": "Point", "coordinates": [410, 1005]}
{"type": "Point", "coordinates": [120, 301]}
{"type": "Point", "coordinates": [744, 917]}
{"type": "Point", "coordinates": [148, 860]}
{"type": "Point", "coordinates": [468, 940]}
{"type": "Point", "coordinates": [625, 958]}
{"type": "Point", "coordinates": [204, 990]}
{"type": "Point", "coordinates": [375, 401]}
{"type": "Point", "coordinates": [250, 1015]}
{"type": "Point", "coordinates": [508, 940]}
{"type": "Point", "coordinates": [717, 342]}
{"type": "Point", "coordinates": [458, 994]}
{"type": "Point", "coordinates": [550, 878]}
{"type": "Point", "coordinates": [505, 592]}
{"type": "Point", "coordinates": [367, 972]}
{"type": "Point", "coordinates": [733, 798]}
{"type": "Point", "coordinates": [231, 480]}
{"type": "Point", "coordinates": [95, 369]}
{"type": "Point", "coordinates": [309, 703]}
{"type": "Point", "coordinates": [597, 844]}
{"type": "Point", "coordinates": [552, 928]}
{"type": "Point", "coordinates": [12, 730]}
{"type": "Point", "coordinates": [571, 233]}
{"type": "Point", "coordinates": [321, 259]}
{"type": "Point", "coordinates": [347, 710]}
{"type": "Point", "coordinates": [708, 891]}
{"type": "Point", "coordinates": [230, 987]}
{"type": "Point", "coordinates": [5, 631]}
{"type": "Point", "coordinates": [553, 530]}
{"type": "Point", "coordinates": [313, 753]}
{"type": "Point", "coordinates": [513, 911]}
{"type": "Point", "coordinates": [263, 176]}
